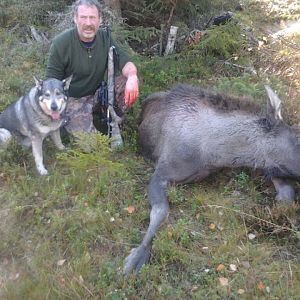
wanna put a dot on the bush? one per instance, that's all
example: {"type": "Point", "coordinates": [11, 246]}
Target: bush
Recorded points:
{"type": "Point", "coordinates": [223, 41]}
{"type": "Point", "coordinates": [26, 12]}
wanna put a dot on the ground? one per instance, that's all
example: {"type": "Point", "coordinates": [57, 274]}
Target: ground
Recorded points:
{"type": "Point", "coordinates": [65, 236]}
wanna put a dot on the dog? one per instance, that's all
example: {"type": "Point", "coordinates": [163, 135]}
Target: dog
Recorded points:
{"type": "Point", "coordinates": [35, 116]}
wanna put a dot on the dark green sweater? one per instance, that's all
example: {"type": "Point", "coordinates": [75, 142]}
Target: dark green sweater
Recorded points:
{"type": "Point", "coordinates": [68, 55]}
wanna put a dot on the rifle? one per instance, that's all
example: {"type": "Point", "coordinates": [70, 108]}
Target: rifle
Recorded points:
{"type": "Point", "coordinates": [113, 120]}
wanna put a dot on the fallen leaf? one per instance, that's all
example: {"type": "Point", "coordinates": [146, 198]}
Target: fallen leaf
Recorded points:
{"type": "Point", "coordinates": [260, 44]}
{"type": "Point", "coordinates": [261, 286]}
{"type": "Point", "coordinates": [212, 226]}
{"type": "Point", "coordinates": [61, 262]}
{"type": "Point", "coordinates": [170, 234]}
{"type": "Point", "coordinates": [233, 267]}
{"type": "Point", "coordinates": [194, 289]}
{"type": "Point", "coordinates": [130, 209]}
{"type": "Point", "coordinates": [251, 236]}
{"type": "Point", "coordinates": [62, 280]}
{"type": "Point", "coordinates": [81, 279]}
{"type": "Point", "coordinates": [14, 276]}
{"type": "Point", "coordinates": [241, 291]}
{"type": "Point", "coordinates": [220, 267]}
{"type": "Point", "coordinates": [223, 281]}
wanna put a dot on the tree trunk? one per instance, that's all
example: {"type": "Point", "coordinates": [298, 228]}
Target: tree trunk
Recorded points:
{"type": "Point", "coordinates": [115, 7]}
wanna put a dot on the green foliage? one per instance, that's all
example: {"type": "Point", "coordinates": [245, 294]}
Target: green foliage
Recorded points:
{"type": "Point", "coordinates": [26, 12]}
{"type": "Point", "coordinates": [137, 34]}
{"type": "Point", "coordinates": [157, 12]}
{"type": "Point", "coordinates": [244, 85]}
{"type": "Point", "coordinates": [19, 63]}
{"type": "Point", "coordinates": [223, 41]}
{"type": "Point", "coordinates": [14, 154]}
{"type": "Point", "coordinates": [160, 73]}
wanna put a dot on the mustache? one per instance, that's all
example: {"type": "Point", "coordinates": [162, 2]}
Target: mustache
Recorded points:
{"type": "Point", "coordinates": [89, 27]}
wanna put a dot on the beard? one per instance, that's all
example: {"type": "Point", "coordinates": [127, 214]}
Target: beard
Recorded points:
{"type": "Point", "coordinates": [92, 30]}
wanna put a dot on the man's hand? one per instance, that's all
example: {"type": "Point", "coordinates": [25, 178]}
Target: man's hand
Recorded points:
{"type": "Point", "coordinates": [131, 90]}
{"type": "Point", "coordinates": [132, 83]}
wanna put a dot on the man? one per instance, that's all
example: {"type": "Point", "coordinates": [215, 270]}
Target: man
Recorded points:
{"type": "Point", "coordinates": [82, 52]}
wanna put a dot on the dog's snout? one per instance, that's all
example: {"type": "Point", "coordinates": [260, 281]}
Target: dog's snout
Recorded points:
{"type": "Point", "coordinates": [54, 106]}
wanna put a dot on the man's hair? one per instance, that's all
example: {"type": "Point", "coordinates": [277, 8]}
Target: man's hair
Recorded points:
{"type": "Point", "coordinates": [77, 3]}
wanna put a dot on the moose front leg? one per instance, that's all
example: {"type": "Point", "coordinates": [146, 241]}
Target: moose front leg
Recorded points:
{"type": "Point", "coordinates": [159, 211]}
{"type": "Point", "coordinates": [285, 192]}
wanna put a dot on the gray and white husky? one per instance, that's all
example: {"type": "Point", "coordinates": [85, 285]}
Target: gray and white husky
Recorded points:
{"type": "Point", "coordinates": [35, 116]}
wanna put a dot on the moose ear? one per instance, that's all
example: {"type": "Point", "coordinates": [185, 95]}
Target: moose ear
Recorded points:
{"type": "Point", "coordinates": [38, 83]}
{"type": "Point", "coordinates": [274, 104]}
{"type": "Point", "coordinates": [67, 82]}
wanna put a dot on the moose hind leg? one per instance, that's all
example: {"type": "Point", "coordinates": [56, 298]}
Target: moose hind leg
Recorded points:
{"type": "Point", "coordinates": [159, 211]}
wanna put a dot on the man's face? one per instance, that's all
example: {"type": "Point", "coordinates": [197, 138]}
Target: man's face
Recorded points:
{"type": "Point", "coordinates": [87, 21]}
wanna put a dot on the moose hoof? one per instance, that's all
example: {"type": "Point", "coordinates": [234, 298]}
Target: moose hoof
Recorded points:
{"type": "Point", "coordinates": [286, 195]}
{"type": "Point", "coordinates": [136, 259]}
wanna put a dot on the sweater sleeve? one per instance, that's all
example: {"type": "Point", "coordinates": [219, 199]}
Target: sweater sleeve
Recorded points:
{"type": "Point", "coordinates": [55, 65]}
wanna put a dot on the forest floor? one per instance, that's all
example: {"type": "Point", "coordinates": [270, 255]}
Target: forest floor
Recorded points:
{"type": "Point", "coordinates": [66, 235]}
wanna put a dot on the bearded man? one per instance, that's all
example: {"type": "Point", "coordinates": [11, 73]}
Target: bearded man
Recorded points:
{"type": "Point", "coordinates": [82, 51]}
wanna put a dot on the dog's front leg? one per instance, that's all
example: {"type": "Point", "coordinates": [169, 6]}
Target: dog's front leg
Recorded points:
{"type": "Point", "coordinates": [55, 136]}
{"type": "Point", "coordinates": [37, 150]}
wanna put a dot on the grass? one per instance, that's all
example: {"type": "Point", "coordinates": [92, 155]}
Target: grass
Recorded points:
{"type": "Point", "coordinates": [65, 236]}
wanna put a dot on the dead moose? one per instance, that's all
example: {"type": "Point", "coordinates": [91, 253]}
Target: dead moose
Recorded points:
{"type": "Point", "coordinates": [189, 133]}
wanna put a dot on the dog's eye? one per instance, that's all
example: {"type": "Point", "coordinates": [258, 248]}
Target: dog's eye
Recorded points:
{"type": "Point", "coordinates": [47, 94]}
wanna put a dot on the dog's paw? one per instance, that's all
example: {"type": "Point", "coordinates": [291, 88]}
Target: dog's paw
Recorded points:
{"type": "Point", "coordinates": [42, 171]}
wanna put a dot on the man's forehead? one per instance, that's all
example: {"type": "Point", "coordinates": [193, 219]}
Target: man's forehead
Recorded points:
{"type": "Point", "coordinates": [87, 9]}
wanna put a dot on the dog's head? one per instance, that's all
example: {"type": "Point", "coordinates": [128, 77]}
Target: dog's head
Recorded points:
{"type": "Point", "coordinates": [52, 95]}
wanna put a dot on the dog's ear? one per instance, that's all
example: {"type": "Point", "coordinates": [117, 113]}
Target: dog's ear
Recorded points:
{"type": "Point", "coordinates": [67, 82]}
{"type": "Point", "coordinates": [38, 83]}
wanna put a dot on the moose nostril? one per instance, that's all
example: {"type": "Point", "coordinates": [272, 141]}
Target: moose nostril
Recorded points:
{"type": "Point", "coordinates": [54, 106]}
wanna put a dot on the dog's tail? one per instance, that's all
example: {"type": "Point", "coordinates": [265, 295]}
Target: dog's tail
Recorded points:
{"type": "Point", "coordinates": [5, 136]}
